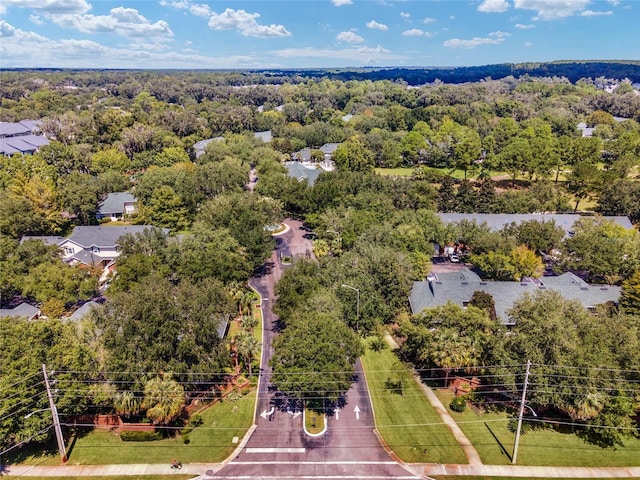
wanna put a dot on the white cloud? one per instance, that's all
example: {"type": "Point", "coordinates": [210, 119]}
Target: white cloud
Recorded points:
{"type": "Point", "coordinates": [47, 6]}
{"type": "Point", "coordinates": [493, 6]}
{"type": "Point", "coordinates": [127, 22]}
{"type": "Point", "coordinates": [452, 17]}
{"type": "Point", "coordinates": [33, 18]}
{"type": "Point", "coordinates": [494, 38]}
{"type": "Point", "coordinates": [339, 3]}
{"type": "Point", "coordinates": [198, 9]}
{"type": "Point", "coordinates": [246, 24]}
{"type": "Point", "coordinates": [552, 9]}
{"type": "Point", "coordinates": [524, 27]}
{"type": "Point", "coordinates": [528, 44]}
{"type": "Point", "coordinates": [377, 26]}
{"type": "Point", "coordinates": [414, 32]}
{"type": "Point", "coordinates": [20, 48]}
{"type": "Point", "coordinates": [591, 13]}
{"type": "Point", "coordinates": [405, 15]}
{"type": "Point", "coordinates": [364, 55]}
{"type": "Point", "coordinates": [428, 20]}
{"type": "Point", "coordinates": [349, 37]}
{"type": "Point", "coordinates": [615, 3]}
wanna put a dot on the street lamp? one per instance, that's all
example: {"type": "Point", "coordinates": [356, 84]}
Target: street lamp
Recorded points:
{"type": "Point", "coordinates": [35, 411]}
{"type": "Point", "coordinates": [357, 290]}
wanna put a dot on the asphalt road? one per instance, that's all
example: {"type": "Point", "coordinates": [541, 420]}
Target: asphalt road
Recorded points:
{"type": "Point", "coordinates": [278, 447]}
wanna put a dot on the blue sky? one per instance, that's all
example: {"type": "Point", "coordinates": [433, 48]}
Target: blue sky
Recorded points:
{"type": "Point", "coordinates": [316, 33]}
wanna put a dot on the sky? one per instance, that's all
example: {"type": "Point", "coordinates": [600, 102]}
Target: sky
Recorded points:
{"type": "Point", "coordinates": [196, 34]}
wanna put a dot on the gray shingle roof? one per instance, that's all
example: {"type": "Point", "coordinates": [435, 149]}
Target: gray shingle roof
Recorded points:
{"type": "Point", "coordinates": [448, 288]}
{"type": "Point", "coordinates": [22, 144]}
{"type": "Point", "coordinates": [104, 237]}
{"type": "Point", "coordinates": [11, 128]}
{"type": "Point", "coordinates": [299, 171]}
{"type": "Point", "coordinates": [114, 203]}
{"type": "Point", "coordinates": [46, 239]}
{"type": "Point", "coordinates": [498, 221]}
{"type": "Point", "coordinates": [264, 136]}
{"type": "Point", "coordinates": [24, 310]}
{"type": "Point", "coordinates": [83, 310]}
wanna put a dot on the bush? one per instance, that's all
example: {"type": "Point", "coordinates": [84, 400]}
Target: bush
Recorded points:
{"type": "Point", "coordinates": [196, 420]}
{"type": "Point", "coordinates": [512, 426]}
{"type": "Point", "coordinates": [186, 440]}
{"type": "Point", "coordinates": [130, 436]}
{"type": "Point", "coordinates": [458, 404]}
{"type": "Point", "coordinates": [186, 431]}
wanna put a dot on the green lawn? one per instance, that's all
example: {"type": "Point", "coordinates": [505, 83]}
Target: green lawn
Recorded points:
{"type": "Point", "coordinates": [395, 172]}
{"type": "Point", "coordinates": [494, 442]}
{"type": "Point", "coordinates": [209, 443]}
{"type": "Point", "coordinates": [406, 421]}
{"type": "Point", "coordinates": [470, 477]}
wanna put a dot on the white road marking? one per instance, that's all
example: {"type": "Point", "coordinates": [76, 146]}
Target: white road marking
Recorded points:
{"type": "Point", "coordinates": [275, 450]}
{"type": "Point", "coordinates": [357, 410]}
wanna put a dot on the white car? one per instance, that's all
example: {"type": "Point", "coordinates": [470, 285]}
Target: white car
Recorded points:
{"type": "Point", "coordinates": [454, 258]}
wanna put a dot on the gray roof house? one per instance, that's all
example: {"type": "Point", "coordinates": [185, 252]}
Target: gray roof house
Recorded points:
{"type": "Point", "coordinates": [24, 310]}
{"type": "Point", "coordinates": [301, 172]}
{"type": "Point", "coordinates": [20, 137]}
{"type": "Point", "coordinates": [117, 205]}
{"type": "Point", "coordinates": [500, 220]}
{"type": "Point", "coordinates": [458, 287]}
{"type": "Point", "coordinates": [97, 245]}
{"type": "Point", "coordinates": [84, 310]}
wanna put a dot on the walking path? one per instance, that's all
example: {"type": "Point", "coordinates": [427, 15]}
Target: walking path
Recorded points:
{"type": "Point", "coordinates": [469, 450]}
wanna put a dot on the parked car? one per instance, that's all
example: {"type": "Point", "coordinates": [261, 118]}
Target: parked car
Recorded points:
{"type": "Point", "coordinates": [454, 258]}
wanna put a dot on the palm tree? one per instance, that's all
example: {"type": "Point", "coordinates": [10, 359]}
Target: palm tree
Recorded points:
{"type": "Point", "coordinates": [248, 347]}
{"type": "Point", "coordinates": [249, 322]}
{"type": "Point", "coordinates": [126, 403]}
{"type": "Point", "coordinates": [453, 352]}
{"type": "Point", "coordinates": [163, 399]}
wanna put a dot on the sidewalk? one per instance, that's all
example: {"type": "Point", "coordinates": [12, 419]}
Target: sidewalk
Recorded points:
{"type": "Point", "coordinates": [527, 472]}
{"type": "Point", "coordinates": [194, 469]}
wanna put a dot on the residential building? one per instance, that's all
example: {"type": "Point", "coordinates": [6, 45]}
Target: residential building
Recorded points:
{"type": "Point", "coordinates": [21, 137]}
{"type": "Point", "coordinates": [302, 172]}
{"type": "Point", "coordinates": [458, 287]}
{"type": "Point", "coordinates": [498, 221]}
{"type": "Point", "coordinates": [24, 310]}
{"type": "Point", "coordinates": [117, 206]}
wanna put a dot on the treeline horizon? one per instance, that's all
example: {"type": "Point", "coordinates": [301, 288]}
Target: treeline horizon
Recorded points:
{"type": "Point", "coordinates": [573, 70]}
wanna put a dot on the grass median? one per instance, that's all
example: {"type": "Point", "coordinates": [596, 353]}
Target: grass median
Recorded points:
{"type": "Point", "coordinates": [405, 419]}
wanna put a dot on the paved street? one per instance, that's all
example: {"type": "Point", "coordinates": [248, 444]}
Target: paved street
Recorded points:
{"type": "Point", "coordinates": [279, 448]}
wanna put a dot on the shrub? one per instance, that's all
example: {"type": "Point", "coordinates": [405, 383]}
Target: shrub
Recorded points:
{"type": "Point", "coordinates": [134, 436]}
{"type": "Point", "coordinates": [186, 440]}
{"type": "Point", "coordinates": [196, 420]}
{"type": "Point", "coordinates": [512, 426]}
{"type": "Point", "coordinates": [458, 404]}
{"type": "Point", "coordinates": [186, 431]}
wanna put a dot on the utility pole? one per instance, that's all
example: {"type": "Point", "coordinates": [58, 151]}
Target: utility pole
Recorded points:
{"type": "Point", "coordinates": [514, 457]}
{"type": "Point", "coordinates": [56, 420]}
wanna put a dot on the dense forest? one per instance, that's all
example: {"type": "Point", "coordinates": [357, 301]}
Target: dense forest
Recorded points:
{"type": "Point", "coordinates": [507, 145]}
